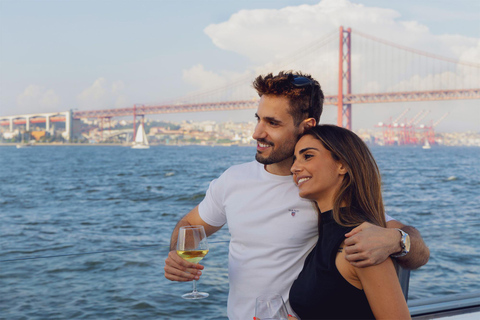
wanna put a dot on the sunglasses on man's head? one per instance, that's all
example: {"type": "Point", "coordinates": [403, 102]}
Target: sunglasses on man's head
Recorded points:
{"type": "Point", "coordinates": [299, 81]}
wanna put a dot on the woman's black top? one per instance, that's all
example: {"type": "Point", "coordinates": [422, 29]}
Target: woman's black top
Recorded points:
{"type": "Point", "coordinates": [320, 291]}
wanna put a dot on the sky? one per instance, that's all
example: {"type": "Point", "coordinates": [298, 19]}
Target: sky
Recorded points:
{"type": "Point", "coordinates": [103, 54]}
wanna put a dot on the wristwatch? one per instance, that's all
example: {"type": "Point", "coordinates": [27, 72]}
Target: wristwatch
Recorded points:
{"type": "Point", "coordinates": [404, 243]}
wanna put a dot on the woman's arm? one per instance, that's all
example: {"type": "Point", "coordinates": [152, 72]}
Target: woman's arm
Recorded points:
{"type": "Point", "coordinates": [383, 291]}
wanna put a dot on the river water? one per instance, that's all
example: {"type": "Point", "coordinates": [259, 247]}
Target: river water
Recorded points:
{"type": "Point", "coordinates": [85, 230]}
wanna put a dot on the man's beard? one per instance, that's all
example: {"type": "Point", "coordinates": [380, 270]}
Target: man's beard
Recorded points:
{"type": "Point", "coordinates": [276, 156]}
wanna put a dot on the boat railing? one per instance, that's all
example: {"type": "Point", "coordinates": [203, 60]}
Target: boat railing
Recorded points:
{"type": "Point", "coordinates": [447, 306]}
{"type": "Point", "coordinates": [403, 277]}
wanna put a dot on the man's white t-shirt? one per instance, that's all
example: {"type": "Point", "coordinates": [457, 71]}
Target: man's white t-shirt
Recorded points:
{"type": "Point", "coordinates": [272, 231]}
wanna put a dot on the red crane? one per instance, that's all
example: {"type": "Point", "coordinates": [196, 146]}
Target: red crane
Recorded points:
{"type": "Point", "coordinates": [429, 130]}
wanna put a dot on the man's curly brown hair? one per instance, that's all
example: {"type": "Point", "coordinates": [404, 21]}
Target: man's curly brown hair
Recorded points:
{"type": "Point", "coordinates": [299, 97]}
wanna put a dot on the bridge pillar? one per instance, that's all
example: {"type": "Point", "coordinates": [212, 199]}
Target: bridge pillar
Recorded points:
{"type": "Point", "coordinates": [68, 125]}
{"type": "Point", "coordinates": [11, 124]}
{"type": "Point", "coordinates": [27, 123]}
{"type": "Point", "coordinates": [47, 123]}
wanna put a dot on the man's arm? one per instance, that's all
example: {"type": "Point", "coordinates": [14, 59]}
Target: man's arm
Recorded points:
{"type": "Point", "coordinates": [176, 268]}
{"type": "Point", "coordinates": [368, 245]}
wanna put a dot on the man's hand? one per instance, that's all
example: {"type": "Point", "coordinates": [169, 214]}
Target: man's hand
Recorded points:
{"type": "Point", "coordinates": [369, 245]}
{"type": "Point", "coordinates": [178, 269]}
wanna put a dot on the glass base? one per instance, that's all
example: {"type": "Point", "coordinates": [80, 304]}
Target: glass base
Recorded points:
{"type": "Point", "coordinates": [195, 295]}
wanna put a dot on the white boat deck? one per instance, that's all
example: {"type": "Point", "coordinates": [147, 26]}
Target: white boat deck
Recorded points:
{"type": "Point", "coordinates": [454, 307]}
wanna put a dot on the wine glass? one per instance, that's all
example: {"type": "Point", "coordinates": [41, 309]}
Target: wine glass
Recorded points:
{"type": "Point", "coordinates": [192, 246]}
{"type": "Point", "coordinates": [270, 306]}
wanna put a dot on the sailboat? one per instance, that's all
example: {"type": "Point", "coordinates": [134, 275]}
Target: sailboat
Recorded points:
{"type": "Point", "coordinates": [426, 145]}
{"type": "Point", "coordinates": [141, 141]}
{"type": "Point", "coordinates": [23, 144]}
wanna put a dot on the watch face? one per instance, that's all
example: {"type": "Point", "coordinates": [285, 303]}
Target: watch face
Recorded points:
{"type": "Point", "coordinates": [404, 243]}
{"type": "Point", "coordinates": [407, 243]}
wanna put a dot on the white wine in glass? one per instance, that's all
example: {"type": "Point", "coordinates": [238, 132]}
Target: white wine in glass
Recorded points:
{"type": "Point", "coordinates": [192, 246]}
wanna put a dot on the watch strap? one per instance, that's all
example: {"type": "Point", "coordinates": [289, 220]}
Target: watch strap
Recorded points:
{"type": "Point", "coordinates": [403, 244]}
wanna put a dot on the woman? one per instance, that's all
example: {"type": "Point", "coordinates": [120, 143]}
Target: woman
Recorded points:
{"type": "Point", "coordinates": [334, 167]}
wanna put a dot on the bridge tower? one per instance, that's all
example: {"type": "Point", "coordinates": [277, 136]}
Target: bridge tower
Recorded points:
{"type": "Point", "coordinates": [134, 121]}
{"type": "Point", "coordinates": [344, 76]}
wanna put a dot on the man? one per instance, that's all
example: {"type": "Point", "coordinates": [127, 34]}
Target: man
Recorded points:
{"type": "Point", "coordinates": [272, 229]}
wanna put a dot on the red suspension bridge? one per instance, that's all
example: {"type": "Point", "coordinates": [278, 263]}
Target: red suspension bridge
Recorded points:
{"type": "Point", "coordinates": [384, 72]}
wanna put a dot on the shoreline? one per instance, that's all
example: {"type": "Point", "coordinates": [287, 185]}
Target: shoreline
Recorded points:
{"type": "Point", "coordinates": [128, 145]}
{"type": "Point", "coordinates": [14, 144]}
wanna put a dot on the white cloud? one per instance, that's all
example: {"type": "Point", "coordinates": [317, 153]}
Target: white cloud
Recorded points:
{"type": "Point", "coordinates": [470, 53]}
{"type": "Point", "coordinates": [288, 38]}
{"type": "Point", "coordinates": [201, 78]}
{"type": "Point", "coordinates": [38, 99]}
{"type": "Point", "coordinates": [102, 95]}
{"type": "Point", "coordinates": [263, 35]}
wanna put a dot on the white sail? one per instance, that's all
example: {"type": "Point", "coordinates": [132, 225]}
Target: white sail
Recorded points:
{"type": "Point", "coordinates": [426, 145]}
{"type": "Point", "coordinates": [141, 141]}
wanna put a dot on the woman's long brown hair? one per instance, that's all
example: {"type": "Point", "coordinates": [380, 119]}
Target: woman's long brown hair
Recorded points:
{"type": "Point", "coordinates": [360, 190]}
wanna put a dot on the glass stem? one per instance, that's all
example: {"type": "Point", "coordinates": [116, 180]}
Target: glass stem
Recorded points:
{"type": "Point", "coordinates": [195, 286]}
